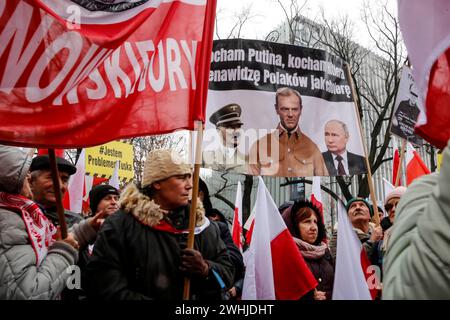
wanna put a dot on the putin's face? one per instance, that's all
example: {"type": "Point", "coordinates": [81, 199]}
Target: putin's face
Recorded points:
{"type": "Point", "coordinates": [230, 135]}
{"type": "Point", "coordinates": [289, 109]}
{"type": "Point", "coordinates": [335, 137]}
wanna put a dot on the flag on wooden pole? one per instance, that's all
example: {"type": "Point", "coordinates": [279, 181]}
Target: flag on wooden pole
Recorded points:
{"type": "Point", "coordinates": [415, 167]}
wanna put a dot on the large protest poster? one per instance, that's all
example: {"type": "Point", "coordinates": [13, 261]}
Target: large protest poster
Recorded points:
{"type": "Point", "coordinates": [244, 78]}
{"type": "Point", "coordinates": [78, 73]}
{"type": "Point", "coordinates": [406, 109]}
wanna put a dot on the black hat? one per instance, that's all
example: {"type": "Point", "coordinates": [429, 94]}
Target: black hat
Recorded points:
{"type": "Point", "coordinates": [98, 193]}
{"type": "Point", "coordinates": [43, 163]}
{"type": "Point", "coordinates": [227, 116]}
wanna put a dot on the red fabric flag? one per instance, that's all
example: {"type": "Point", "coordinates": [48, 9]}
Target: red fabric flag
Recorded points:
{"type": "Point", "coordinates": [428, 46]}
{"type": "Point", "coordinates": [78, 73]}
{"type": "Point", "coordinates": [275, 268]}
{"type": "Point", "coordinates": [415, 167]}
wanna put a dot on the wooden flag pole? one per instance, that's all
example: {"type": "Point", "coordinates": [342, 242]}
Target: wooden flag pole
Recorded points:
{"type": "Point", "coordinates": [400, 165]}
{"type": "Point", "coordinates": [373, 197]}
{"type": "Point", "coordinates": [58, 196]}
{"type": "Point", "coordinates": [192, 214]}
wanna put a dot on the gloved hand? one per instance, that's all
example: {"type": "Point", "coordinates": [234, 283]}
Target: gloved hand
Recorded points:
{"type": "Point", "coordinates": [193, 263]}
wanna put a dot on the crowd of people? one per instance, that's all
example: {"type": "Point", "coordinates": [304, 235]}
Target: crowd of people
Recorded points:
{"type": "Point", "coordinates": [133, 245]}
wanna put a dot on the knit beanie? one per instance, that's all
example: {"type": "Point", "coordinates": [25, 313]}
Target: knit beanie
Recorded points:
{"type": "Point", "coordinates": [363, 201]}
{"type": "Point", "coordinates": [98, 193]}
{"type": "Point", "coordinates": [396, 193]}
{"type": "Point", "coordinates": [162, 164]}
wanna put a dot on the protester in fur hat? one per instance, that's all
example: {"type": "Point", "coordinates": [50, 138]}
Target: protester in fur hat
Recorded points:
{"type": "Point", "coordinates": [33, 258]}
{"type": "Point", "coordinates": [140, 251]}
{"type": "Point", "coordinates": [305, 224]}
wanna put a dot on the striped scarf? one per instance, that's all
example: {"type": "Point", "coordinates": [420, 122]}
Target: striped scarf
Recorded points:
{"type": "Point", "coordinates": [41, 231]}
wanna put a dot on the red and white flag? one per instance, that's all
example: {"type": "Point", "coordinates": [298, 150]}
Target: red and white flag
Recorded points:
{"type": "Point", "coordinates": [415, 167]}
{"type": "Point", "coordinates": [77, 188]}
{"type": "Point", "coordinates": [428, 45]}
{"type": "Point", "coordinates": [236, 231]}
{"type": "Point", "coordinates": [395, 163]}
{"type": "Point", "coordinates": [275, 268]}
{"type": "Point", "coordinates": [316, 195]}
{"type": "Point", "coordinates": [351, 262]}
{"type": "Point", "coordinates": [77, 73]}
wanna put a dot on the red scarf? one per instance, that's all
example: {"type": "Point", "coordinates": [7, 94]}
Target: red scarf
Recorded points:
{"type": "Point", "coordinates": [41, 231]}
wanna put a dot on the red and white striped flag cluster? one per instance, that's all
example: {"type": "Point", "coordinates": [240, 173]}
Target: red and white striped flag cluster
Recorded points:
{"type": "Point", "coordinates": [428, 45]}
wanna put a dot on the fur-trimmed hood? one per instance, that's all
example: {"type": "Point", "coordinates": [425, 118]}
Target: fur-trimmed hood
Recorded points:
{"type": "Point", "coordinates": [147, 211]}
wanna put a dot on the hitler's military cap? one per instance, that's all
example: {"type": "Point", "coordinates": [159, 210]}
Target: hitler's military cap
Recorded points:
{"type": "Point", "coordinates": [227, 116]}
{"type": "Point", "coordinates": [43, 163]}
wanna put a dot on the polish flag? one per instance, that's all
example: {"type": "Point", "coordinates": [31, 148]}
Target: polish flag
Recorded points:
{"type": "Point", "coordinates": [77, 185]}
{"type": "Point", "coordinates": [236, 231]}
{"type": "Point", "coordinates": [415, 167]}
{"type": "Point", "coordinates": [428, 45]}
{"type": "Point", "coordinates": [114, 181]}
{"type": "Point", "coordinates": [395, 163]}
{"type": "Point", "coordinates": [249, 225]}
{"type": "Point", "coordinates": [388, 187]}
{"type": "Point", "coordinates": [351, 262]}
{"type": "Point", "coordinates": [275, 268]}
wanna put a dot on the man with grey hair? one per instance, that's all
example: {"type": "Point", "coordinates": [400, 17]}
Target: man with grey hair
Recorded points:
{"type": "Point", "coordinates": [338, 160]}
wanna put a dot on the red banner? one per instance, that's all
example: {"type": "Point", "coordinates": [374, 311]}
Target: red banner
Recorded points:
{"type": "Point", "coordinates": [77, 73]}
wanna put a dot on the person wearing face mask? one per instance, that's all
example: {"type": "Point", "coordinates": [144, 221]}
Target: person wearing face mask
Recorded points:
{"type": "Point", "coordinates": [227, 156]}
{"type": "Point", "coordinates": [306, 226]}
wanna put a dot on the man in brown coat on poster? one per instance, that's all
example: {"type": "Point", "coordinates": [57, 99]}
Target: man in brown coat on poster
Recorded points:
{"type": "Point", "coordinates": [287, 152]}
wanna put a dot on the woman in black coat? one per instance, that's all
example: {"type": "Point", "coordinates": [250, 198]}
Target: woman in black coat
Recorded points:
{"type": "Point", "coordinates": [305, 223]}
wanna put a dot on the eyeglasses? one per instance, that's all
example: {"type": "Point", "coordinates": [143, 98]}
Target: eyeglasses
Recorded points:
{"type": "Point", "coordinates": [391, 206]}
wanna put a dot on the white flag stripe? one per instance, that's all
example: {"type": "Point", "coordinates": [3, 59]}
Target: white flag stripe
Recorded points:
{"type": "Point", "coordinates": [76, 185]}
{"type": "Point", "coordinates": [349, 280]}
{"type": "Point", "coordinates": [426, 40]}
{"type": "Point", "coordinates": [316, 189]}
{"type": "Point", "coordinates": [409, 152]}
{"type": "Point", "coordinates": [114, 181]}
{"type": "Point", "coordinates": [238, 202]}
{"type": "Point", "coordinates": [258, 283]}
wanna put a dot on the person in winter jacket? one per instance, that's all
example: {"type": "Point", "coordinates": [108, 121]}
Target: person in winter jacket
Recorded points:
{"type": "Point", "coordinates": [305, 224]}
{"type": "Point", "coordinates": [42, 186]}
{"type": "Point", "coordinates": [417, 260]}
{"type": "Point", "coordinates": [141, 252]}
{"type": "Point", "coordinates": [33, 260]}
